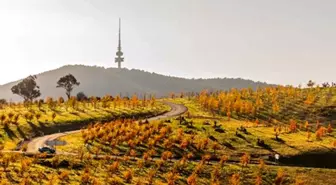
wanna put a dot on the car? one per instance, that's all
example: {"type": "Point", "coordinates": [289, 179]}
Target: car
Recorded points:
{"type": "Point", "coordinates": [46, 150]}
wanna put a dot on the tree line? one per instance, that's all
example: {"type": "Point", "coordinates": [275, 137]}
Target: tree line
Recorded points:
{"type": "Point", "coordinates": [29, 90]}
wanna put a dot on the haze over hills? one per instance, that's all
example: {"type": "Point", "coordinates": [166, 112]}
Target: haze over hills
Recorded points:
{"type": "Point", "coordinates": [99, 81]}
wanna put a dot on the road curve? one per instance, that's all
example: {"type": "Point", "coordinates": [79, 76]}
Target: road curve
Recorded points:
{"type": "Point", "coordinates": [35, 143]}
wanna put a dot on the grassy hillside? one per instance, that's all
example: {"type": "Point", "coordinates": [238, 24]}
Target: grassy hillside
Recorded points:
{"type": "Point", "coordinates": [19, 122]}
{"type": "Point", "coordinates": [226, 137]}
{"type": "Point", "coordinates": [206, 146]}
{"type": "Point", "coordinates": [161, 147]}
{"type": "Point", "coordinates": [98, 81]}
{"type": "Point", "coordinates": [279, 105]}
{"type": "Point", "coordinates": [83, 169]}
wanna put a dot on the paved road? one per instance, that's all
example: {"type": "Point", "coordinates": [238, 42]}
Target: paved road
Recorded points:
{"type": "Point", "coordinates": [34, 144]}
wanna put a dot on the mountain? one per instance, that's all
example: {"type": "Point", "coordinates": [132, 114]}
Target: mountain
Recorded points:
{"type": "Point", "coordinates": [99, 81]}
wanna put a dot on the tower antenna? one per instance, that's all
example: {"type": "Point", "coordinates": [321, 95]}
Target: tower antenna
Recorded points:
{"type": "Point", "coordinates": [119, 59]}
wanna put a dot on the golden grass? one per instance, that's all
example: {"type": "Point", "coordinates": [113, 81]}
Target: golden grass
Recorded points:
{"type": "Point", "coordinates": [27, 128]}
{"type": "Point", "coordinates": [97, 170]}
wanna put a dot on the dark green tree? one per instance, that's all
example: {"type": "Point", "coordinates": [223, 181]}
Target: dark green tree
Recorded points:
{"type": "Point", "coordinates": [27, 89]}
{"type": "Point", "coordinates": [81, 96]}
{"type": "Point", "coordinates": [67, 82]}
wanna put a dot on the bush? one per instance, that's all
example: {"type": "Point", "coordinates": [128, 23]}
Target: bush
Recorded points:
{"type": "Point", "coordinates": [81, 96]}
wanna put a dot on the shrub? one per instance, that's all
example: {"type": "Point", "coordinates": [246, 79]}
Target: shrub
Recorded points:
{"type": "Point", "coordinates": [245, 159]}
{"type": "Point", "coordinates": [235, 179]}
{"type": "Point", "coordinates": [192, 179]}
{"type": "Point", "coordinates": [128, 175]}
{"type": "Point", "coordinates": [64, 176]}
{"type": "Point", "coordinates": [329, 128]}
{"type": "Point", "coordinates": [280, 177]}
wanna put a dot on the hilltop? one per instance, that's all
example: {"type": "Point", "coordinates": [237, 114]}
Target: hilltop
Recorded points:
{"type": "Point", "coordinates": [99, 81]}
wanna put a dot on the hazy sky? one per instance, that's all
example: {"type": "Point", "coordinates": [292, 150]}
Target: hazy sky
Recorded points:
{"type": "Point", "coordinates": [277, 41]}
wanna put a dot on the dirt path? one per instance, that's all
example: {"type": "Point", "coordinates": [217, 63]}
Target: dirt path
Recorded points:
{"type": "Point", "coordinates": [34, 144]}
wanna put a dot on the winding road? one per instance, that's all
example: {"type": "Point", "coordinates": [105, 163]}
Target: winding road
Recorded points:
{"type": "Point", "coordinates": [35, 143]}
{"type": "Point", "coordinates": [176, 110]}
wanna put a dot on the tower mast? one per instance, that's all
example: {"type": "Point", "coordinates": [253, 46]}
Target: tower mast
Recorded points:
{"type": "Point", "coordinates": [119, 53]}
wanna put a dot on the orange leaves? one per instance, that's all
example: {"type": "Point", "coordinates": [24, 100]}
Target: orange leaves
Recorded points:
{"type": "Point", "coordinates": [166, 155]}
{"type": "Point", "coordinates": [235, 179]}
{"type": "Point", "coordinates": [317, 124]}
{"type": "Point", "coordinates": [184, 143]}
{"type": "Point", "coordinates": [275, 108]}
{"type": "Point", "coordinates": [245, 159]}
{"type": "Point", "coordinates": [192, 179]}
{"type": "Point", "coordinates": [259, 103]}
{"type": "Point", "coordinates": [214, 104]}
{"type": "Point", "coordinates": [215, 146]}
{"type": "Point", "coordinates": [308, 135]}
{"type": "Point", "coordinates": [237, 105]}
{"type": "Point", "coordinates": [146, 156]}
{"type": "Point", "coordinates": [64, 176]}
{"type": "Point", "coordinates": [320, 133]}
{"type": "Point", "coordinates": [215, 175]}
{"type": "Point", "coordinates": [292, 126]}
{"type": "Point", "coordinates": [163, 131]}
{"type": "Point", "coordinates": [171, 178]}
{"type": "Point", "coordinates": [228, 114]}
{"type": "Point", "coordinates": [167, 143]}
{"type": "Point", "coordinates": [135, 101]}
{"type": "Point", "coordinates": [204, 143]}
{"type": "Point", "coordinates": [334, 144]}
{"type": "Point", "coordinates": [206, 157]}
{"type": "Point", "coordinates": [190, 155]}
{"type": "Point", "coordinates": [277, 130]}
{"type": "Point", "coordinates": [256, 122]}
{"type": "Point", "coordinates": [25, 165]}
{"type": "Point", "coordinates": [199, 167]}
{"type": "Point", "coordinates": [258, 180]}
{"type": "Point", "coordinates": [128, 176]}
{"type": "Point", "coordinates": [140, 163]}
{"type": "Point", "coordinates": [113, 167]}
{"type": "Point", "coordinates": [310, 99]}
{"type": "Point", "coordinates": [299, 181]}
{"type": "Point", "coordinates": [280, 177]}
{"type": "Point", "coordinates": [329, 129]}
{"type": "Point", "coordinates": [85, 177]}
{"type": "Point", "coordinates": [223, 160]}
{"type": "Point", "coordinates": [203, 97]}
{"type": "Point", "coordinates": [261, 164]}
{"type": "Point", "coordinates": [306, 125]}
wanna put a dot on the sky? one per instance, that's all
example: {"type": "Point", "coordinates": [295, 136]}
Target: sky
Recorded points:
{"type": "Point", "coordinates": [274, 41]}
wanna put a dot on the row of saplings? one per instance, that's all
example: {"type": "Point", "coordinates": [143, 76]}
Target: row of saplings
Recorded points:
{"type": "Point", "coordinates": [134, 134]}
{"type": "Point", "coordinates": [25, 172]}
{"type": "Point", "coordinates": [11, 118]}
{"type": "Point", "coordinates": [294, 127]}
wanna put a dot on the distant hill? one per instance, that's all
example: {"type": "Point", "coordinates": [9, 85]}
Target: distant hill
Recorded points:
{"type": "Point", "coordinates": [99, 81]}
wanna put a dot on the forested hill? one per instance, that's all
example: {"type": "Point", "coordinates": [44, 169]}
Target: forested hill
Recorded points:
{"type": "Point", "coordinates": [99, 81]}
